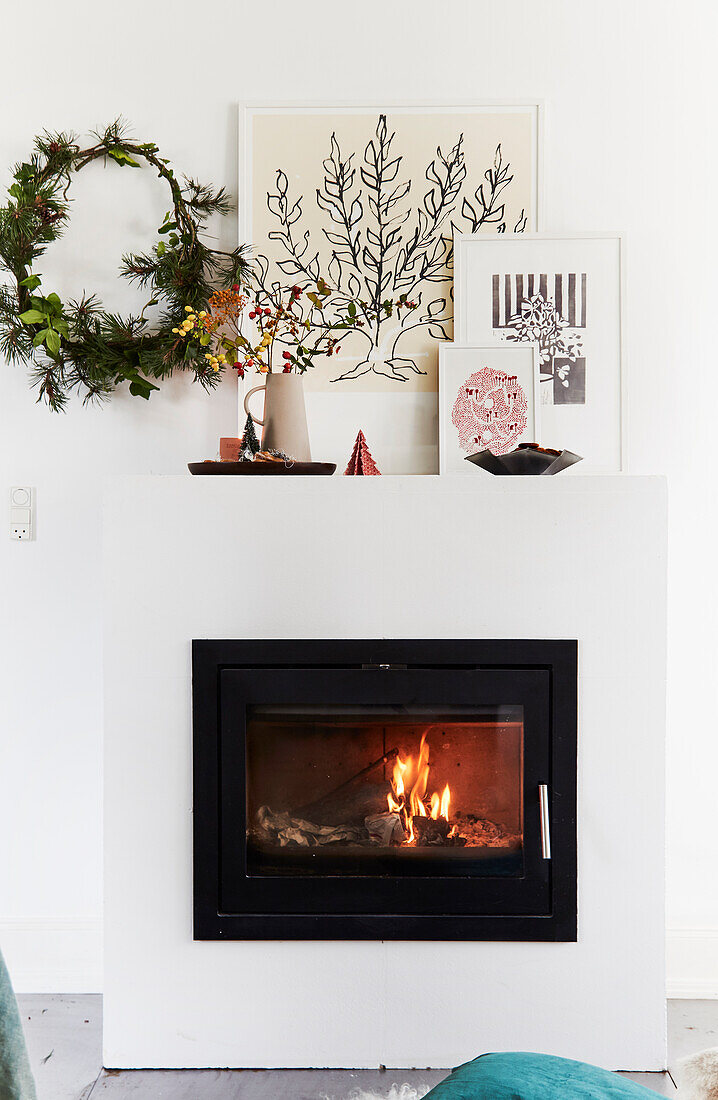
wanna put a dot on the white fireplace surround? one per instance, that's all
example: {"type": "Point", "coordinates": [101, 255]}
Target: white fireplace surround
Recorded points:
{"type": "Point", "coordinates": [405, 557]}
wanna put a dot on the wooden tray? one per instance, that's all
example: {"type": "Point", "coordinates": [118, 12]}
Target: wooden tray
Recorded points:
{"type": "Point", "coordinates": [213, 469]}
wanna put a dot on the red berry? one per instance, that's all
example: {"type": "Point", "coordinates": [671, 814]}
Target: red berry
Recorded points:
{"type": "Point", "coordinates": [267, 312]}
{"type": "Point", "coordinates": [252, 315]}
{"type": "Point", "coordinates": [235, 286]}
{"type": "Point", "coordinates": [286, 355]}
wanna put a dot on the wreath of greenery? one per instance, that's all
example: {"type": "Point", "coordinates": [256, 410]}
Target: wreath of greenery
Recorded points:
{"type": "Point", "coordinates": [79, 345]}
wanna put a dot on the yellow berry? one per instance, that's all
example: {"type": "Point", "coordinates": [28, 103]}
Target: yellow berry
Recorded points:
{"type": "Point", "coordinates": [203, 313]}
{"type": "Point", "coordinates": [188, 309]}
{"type": "Point", "coordinates": [175, 330]}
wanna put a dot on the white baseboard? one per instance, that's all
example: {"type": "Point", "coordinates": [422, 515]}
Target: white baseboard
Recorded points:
{"type": "Point", "coordinates": [53, 954]}
{"type": "Point", "coordinates": [692, 963]}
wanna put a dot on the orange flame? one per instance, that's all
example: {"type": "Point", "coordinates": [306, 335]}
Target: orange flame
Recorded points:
{"type": "Point", "coordinates": [416, 803]}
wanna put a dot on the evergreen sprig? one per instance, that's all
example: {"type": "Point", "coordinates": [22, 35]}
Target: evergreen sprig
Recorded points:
{"type": "Point", "coordinates": [78, 345]}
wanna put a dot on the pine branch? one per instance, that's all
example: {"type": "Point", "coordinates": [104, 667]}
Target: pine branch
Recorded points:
{"type": "Point", "coordinates": [204, 200]}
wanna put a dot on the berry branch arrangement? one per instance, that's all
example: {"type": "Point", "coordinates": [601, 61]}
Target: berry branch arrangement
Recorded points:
{"type": "Point", "coordinates": [289, 327]}
{"type": "Point", "coordinates": [78, 346]}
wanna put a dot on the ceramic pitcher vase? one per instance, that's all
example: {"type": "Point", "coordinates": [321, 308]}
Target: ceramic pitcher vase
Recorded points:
{"type": "Point", "coordinates": [284, 423]}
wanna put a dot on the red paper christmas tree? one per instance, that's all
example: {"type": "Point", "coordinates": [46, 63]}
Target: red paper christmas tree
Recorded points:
{"type": "Point", "coordinates": [361, 462]}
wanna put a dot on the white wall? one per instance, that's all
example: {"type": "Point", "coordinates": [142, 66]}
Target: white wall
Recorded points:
{"type": "Point", "coordinates": [631, 101]}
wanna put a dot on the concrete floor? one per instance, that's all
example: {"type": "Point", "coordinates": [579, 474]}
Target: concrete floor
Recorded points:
{"type": "Point", "coordinates": [64, 1035]}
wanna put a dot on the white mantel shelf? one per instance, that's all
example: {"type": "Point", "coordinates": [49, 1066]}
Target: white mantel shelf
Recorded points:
{"type": "Point", "coordinates": [570, 556]}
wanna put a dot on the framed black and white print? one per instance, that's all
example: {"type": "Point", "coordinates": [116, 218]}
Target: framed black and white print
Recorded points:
{"type": "Point", "coordinates": [487, 401]}
{"type": "Point", "coordinates": [564, 295]}
{"type": "Point", "coordinates": [369, 198]}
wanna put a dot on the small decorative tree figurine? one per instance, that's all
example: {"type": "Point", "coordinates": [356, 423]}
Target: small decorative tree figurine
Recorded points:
{"type": "Point", "coordinates": [361, 462]}
{"type": "Point", "coordinates": [249, 446]}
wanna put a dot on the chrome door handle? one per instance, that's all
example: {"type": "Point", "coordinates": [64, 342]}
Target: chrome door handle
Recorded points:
{"type": "Point", "coordinates": [545, 823]}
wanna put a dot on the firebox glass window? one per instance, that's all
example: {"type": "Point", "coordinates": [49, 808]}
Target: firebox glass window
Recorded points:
{"type": "Point", "coordinates": [384, 790]}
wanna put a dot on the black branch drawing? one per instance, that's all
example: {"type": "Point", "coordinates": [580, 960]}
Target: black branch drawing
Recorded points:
{"type": "Point", "coordinates": [381, 250]}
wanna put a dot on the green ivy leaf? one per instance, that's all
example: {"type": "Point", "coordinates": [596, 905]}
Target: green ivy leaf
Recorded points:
{"type": "Point", "coordinates": [40, 338]}
{"type": "Point", "coordinates": [166, 226]}
{"type": "Point", "coordinates": [54, 301]}
{"type": "Point", "coordinates": [52, 341]}
{"type": "Point", "coordinates": [32, 317]}
{"type": "Point", "coordinates": [32, 282]}
{"type": "Point", "coordinates": [161, 248]}
{"type": "Point", "coordinates": [121, 157]}
{"type": "Point", "coordinates": [141, 387]}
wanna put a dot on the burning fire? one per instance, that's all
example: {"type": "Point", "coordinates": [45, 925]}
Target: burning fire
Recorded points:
{"type": "Point", "coordinates": [408, 794]}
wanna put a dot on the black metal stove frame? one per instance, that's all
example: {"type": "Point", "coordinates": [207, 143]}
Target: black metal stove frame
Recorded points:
{"type": "Point", "coordinates": [230, 676]}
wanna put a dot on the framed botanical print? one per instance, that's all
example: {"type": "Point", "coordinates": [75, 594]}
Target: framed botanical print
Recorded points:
{"type": "Point", "coordinates": [563, 294]}
{"type": "Point", "coordinates": [487, 401]}
{"type": "Point", "coordinates": [367, 199]}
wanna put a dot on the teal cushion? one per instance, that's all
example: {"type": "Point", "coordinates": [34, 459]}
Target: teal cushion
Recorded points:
{"type": "Point", "coordinates": [16, 1081]}
{"type": "Point", "coordinates": [535, 1077]}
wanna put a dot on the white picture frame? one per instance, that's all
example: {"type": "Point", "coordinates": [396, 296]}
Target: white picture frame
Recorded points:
{"type": "Point", "coordinates": [482, 391]}
{"type": "Point", "coordinates": [296, 139]}
{"type": "Point", "coordinates": [566, 292]}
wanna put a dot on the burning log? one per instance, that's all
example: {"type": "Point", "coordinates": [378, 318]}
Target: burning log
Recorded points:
{"type": "Point", "coordinates": [430, 830]}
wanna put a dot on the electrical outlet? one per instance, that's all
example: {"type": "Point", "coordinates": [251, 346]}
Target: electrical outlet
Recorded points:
{"type": "Point", "coordinates": [21, 513]}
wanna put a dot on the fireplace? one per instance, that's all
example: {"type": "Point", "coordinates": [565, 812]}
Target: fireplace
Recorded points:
{"type": "Point", "coordinates": [385, 790]}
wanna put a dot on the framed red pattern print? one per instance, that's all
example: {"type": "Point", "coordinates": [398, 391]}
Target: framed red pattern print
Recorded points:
{"type": "Point", "coordinates": [487, 401]}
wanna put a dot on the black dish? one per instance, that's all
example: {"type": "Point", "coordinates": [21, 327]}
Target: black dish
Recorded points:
{"type": "Point", "coordinates": [528, 459]}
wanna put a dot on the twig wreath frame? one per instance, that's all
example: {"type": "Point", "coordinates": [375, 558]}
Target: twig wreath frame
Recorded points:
{"type": "Point", "coordinates": [79, 346]}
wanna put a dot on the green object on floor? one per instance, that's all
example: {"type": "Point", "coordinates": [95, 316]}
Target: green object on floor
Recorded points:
{"type": "Point", "coordinates": [16, 1081]}
{"type": "Point", "coordinates": [535, 1077]}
